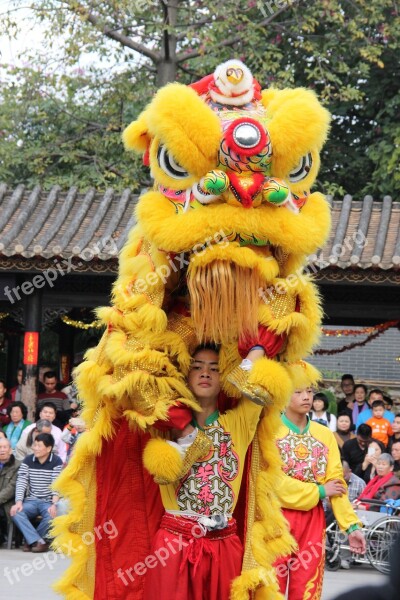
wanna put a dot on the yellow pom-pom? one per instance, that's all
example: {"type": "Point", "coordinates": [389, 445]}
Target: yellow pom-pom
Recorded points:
{"type": "Point", "coordinates": [162, 460]}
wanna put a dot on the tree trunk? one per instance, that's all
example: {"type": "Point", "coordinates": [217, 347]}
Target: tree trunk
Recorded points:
{"type": "Point", "coordinates": [166, 72]}
{"type": "Point", "coordinates": [167, 66]}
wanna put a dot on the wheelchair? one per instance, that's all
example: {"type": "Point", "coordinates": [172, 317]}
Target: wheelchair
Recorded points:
{"type": "Point", "coordinates": [381, 529]}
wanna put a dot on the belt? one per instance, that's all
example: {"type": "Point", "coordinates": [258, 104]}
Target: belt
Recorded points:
{"type": "Point", "coordinates": [191, 528]}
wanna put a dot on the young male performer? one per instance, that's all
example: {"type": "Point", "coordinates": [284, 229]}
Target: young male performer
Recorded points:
{"type": "Point", "coordinates": [311, 460]}
{"type": "Point", "coordinates": [197, 530]}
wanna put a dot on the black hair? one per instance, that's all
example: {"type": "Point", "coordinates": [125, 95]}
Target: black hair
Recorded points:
{"type": "Point", "coordinates": [378, 403]}
{"type": "Point", "coordinates": [344, 414]}
{"type": "Point", "coordinates": [376, 391]}
{"type": "Point", "coordinates": [21, 405]}
{"type": "Point", "coordinates": [49, 375]}
{"type": "Point", "coordinates": [388, 400]}
{"type": "Point", "coordinates": [206, 346]}
{"type": "Point", "coordinates": [49, 404]}
{"type": "Point", "coordinates": [323, 397]}
{"type": "Point", "coordinates": [361, 385]}
{"type": "Point", "coordinates": [364, 430]}
{"type": "Point", "coordinates": [29, 439]}
{"type": "Point", "coordinates": [3, 382]}
{"type": "Point", "coordinates": [347, 376]}
{"type": "Point", "coordinates": [46, 438]}
{"type": "Point", "coordinates": [380, 444]}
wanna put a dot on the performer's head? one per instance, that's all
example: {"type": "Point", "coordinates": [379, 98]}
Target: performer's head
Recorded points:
{"type": "Point", "coordinates": [203, 377]}
{"type": "Point", "coordinates": [301, 401]}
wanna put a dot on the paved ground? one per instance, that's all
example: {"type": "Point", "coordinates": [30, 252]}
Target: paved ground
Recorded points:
{"type": "Point", "coordinates": [337, 582]}
{"type": "Point", "coordinates": [26, 576]}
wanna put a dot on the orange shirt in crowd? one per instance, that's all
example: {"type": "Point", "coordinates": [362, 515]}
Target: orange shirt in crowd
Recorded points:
{"type": "Point", "coordinates": [381, 429]}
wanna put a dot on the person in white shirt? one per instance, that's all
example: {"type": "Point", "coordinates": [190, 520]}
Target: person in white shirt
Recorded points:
{"type": "Point", "coordinates": [320, 412]}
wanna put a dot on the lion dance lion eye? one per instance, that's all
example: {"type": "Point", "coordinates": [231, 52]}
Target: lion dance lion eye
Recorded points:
{"type": "Point", "coordinates": [302, 169]}
{"type": "Point", "coordinates": [169, 165]}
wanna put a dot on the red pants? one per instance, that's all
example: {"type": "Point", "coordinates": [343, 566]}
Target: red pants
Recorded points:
{"type": "Point", "coordinates": [190, 565]}
{"type": "Point", "coordinates": [301, 574]}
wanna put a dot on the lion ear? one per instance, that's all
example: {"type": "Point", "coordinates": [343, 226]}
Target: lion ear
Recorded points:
{"type": "Point", "coordinates": [136, 135]}
{"type": "Point", "coordinates": [298, 125]}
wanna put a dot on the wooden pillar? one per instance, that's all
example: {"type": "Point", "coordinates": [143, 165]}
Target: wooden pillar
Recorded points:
{"type": "Point", "coordinates": [66, 352]}
{"type": "Point", "coordinates": [33, 323]}
{"type": "Point", "coordinates": [13, 361]}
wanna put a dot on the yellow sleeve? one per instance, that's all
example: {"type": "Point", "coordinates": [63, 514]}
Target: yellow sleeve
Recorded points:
{"type": "Point", "coordinates": [242, 420]}
{"type": "Point", "coordinates": [295, 494]}
{"type": "Point", "coordinates": [341, 506]}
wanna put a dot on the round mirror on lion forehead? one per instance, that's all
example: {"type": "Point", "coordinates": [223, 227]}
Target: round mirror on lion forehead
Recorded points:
{"type": "Point", "coordinates": [246, 135]}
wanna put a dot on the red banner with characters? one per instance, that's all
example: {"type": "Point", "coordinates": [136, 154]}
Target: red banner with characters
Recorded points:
{"type": "Point", "coordinates": [31, 347]}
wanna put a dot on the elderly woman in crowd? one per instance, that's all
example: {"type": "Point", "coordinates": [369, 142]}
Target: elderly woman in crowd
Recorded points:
{"type": "Point", "coordinates": [368, 467]}
{"type": "Point", "coordinates": [17, 412]}
{"type": "Point", "coordinates": [384, 486]}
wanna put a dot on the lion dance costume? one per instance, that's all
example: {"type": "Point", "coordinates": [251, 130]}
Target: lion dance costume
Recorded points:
{"type": "Point", "coordinates": [216, 255]}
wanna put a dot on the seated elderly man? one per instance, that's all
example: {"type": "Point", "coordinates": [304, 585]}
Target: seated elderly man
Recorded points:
{"type": "Point", "coordinates": [8, 479]}
{"type": "Point", "coordinates": [384, 486]}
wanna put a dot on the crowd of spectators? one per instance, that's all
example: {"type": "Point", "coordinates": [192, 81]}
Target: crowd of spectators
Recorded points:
{"type": "Point", "coordinates": [368, 436]}
{"type": "Point", "coordinates": [364, 423]}
{"type": "Point", "coordinates": [33, 454]}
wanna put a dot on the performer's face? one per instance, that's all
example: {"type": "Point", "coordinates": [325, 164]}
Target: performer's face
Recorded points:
{"type": "Point", "coordinates": [301, 401]}
{"type": "Point", "coordinates": [203, 378]}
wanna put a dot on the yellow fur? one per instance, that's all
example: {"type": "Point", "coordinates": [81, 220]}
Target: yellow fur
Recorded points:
{"type": "Point", "coordinates": [162, 460]}
{"type": "Point", "coordinates": [178, 118]}
{"type": "Point", "coordinates": [299, 124]}
{"type": "Point", "coordinates": [296, 234]}
{"type": "Point", "coordinates": [303, 375]}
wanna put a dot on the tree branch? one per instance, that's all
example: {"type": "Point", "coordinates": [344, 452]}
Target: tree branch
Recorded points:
{"type": "Point", "coordinates": [181, 57]}
{"type": "Point", "coordinates": [109, 32]}
{"type": "Point", "coordinates": [196, 25]}
{"type": "Point", "coordinates": [90, 124]}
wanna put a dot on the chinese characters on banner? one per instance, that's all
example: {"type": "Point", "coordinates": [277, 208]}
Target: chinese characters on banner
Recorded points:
{"type": "Point", "coordinates": [31, 347]}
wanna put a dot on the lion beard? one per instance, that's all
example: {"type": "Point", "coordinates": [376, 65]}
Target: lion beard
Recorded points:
{"type": "Point", "coordinates": [224, 301]}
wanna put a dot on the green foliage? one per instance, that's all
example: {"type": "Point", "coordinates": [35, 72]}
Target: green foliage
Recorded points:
{"type": "Point", "coordinates": [61, 122]}
{"type": "Point", "coordinates": [65, 130]}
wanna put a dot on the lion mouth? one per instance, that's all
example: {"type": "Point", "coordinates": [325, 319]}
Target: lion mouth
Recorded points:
{"type": "Point", "coordinates": [222, 238]}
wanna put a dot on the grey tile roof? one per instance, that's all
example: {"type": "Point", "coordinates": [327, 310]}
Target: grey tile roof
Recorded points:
{"type": "Point", "coordinates": [365, 235]}
{"type": "Point", "coordinates": [45, 224]}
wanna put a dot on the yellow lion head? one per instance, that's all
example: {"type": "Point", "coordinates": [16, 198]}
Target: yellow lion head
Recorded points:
{"type": "Point", "coordinates": [239, 163]}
